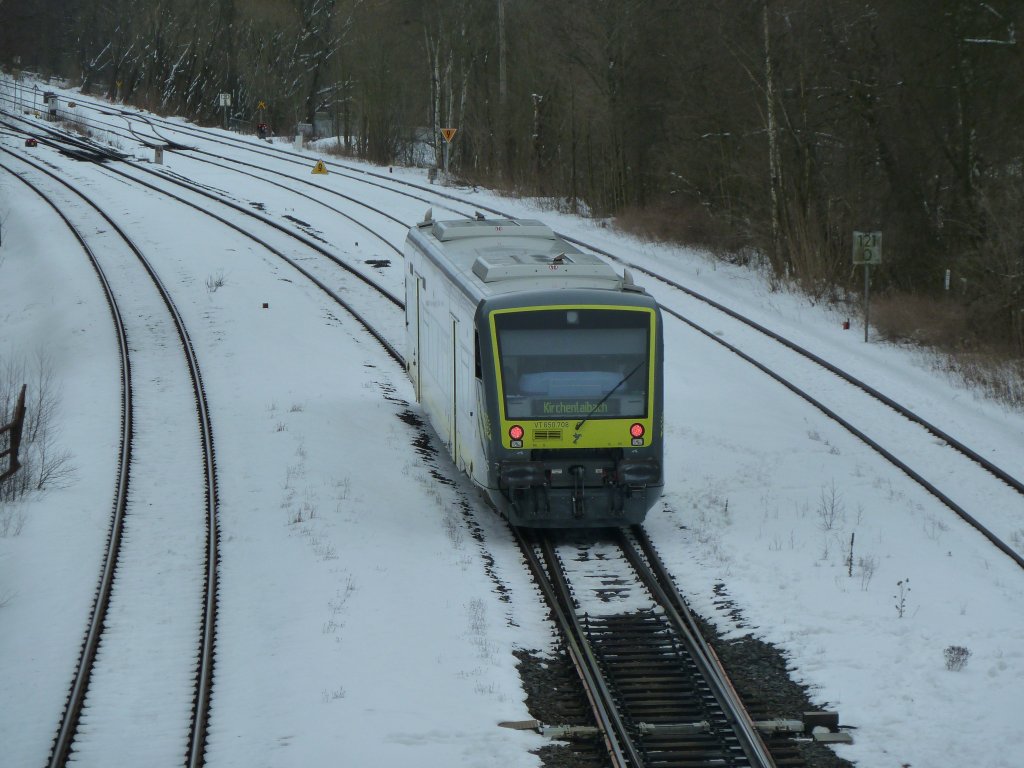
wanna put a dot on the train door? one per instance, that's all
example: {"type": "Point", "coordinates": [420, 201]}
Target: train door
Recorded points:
{"type": "Point", "coordinates": [453, 419]}
{"type": "Point", "coordinates": [414, 330]}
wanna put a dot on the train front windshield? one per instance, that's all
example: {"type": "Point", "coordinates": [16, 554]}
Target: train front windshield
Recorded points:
{"type": "Point", "coordinates": [568, 363]}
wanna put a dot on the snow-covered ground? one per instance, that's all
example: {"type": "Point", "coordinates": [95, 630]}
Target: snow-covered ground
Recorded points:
{"type": "Point", "coordinates": [360, 620]}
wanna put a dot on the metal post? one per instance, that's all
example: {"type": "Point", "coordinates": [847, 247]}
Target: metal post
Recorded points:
{"type": "Point", "coordinates": [867, 300]}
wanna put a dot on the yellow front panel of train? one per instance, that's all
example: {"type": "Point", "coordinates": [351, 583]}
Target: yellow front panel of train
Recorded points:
{"type": "Point", "coordinates": [575, 376]}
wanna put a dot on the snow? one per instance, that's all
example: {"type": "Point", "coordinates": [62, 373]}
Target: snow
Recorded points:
{"type": "Point", "coordinates": [364, 616]}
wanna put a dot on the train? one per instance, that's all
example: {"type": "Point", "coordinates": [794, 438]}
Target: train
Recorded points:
{"type": "Point", "coordinates": [540, 368]}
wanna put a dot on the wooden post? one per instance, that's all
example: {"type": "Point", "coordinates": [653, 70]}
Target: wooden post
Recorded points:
{"type": "Point", "coordinates": [15, 427]}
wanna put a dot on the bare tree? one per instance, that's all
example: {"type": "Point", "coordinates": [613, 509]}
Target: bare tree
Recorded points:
{"type": "Point", "coordinates": [44, 464]}
{"type": "Point", "coordinates": [767, 127]}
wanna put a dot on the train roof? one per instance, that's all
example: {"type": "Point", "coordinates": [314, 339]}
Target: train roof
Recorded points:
{"type": "Point", "coordinates": [494, 256]}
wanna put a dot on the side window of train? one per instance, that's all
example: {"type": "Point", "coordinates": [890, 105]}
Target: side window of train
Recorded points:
{"type": "Point", "coordinates": [477, 367]}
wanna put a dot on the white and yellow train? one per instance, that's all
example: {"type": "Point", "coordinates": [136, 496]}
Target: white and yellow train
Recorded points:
{"type": "Point", "coordinates": [540, 368]}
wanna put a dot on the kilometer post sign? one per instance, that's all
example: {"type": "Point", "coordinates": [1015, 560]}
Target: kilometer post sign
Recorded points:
{"type": "Point", "coordinates": [867, 250]}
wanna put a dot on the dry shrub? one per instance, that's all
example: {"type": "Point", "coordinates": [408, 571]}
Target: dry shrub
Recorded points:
{"type": "Point", "coordinates": [44, 464]}
{"type": "Point", "coordinates": [335, 148]}
{"type": "Point", "coordinates": [692, 224]}
{"type": "Point", "coordinates": [943, 327]}
{"type": "Point", "coordinates": [75, 124]}
{"type": "Point", "coordinates": [996, 375]}
{"type": "Point", "coordinates": [922, 320]}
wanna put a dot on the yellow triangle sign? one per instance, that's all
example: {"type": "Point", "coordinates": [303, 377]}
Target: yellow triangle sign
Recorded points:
{"type": "Point", "coordinates": [449, 134]}
{"type": "Point", "coordinates": [320, 167]}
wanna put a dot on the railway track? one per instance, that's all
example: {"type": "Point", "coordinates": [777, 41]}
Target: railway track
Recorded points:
{"type": "Point", "coordinates": [672, 738]}
{"type": "Point", "coordinates": [175, 674]}
{"type": "Point", "coordinates": [781, 372]}
{"type": "Point", "coordinates": [913, 444]}
{"type": "Point", "coordinates": [993, 517]}
{"type": "Point", "coordinates": [680, 301]}
{"type": "Point", "coordinates": [436, 196]}
{"type": "Point", "coordinates": [917, 436]}
{"type": "Point", "coordinates": [658, 694]}
{"type": "Point", "coordinates": [70, 743]}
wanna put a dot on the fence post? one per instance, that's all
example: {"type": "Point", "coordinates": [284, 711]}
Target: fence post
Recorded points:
{"type": "Point", "coordinates": [14, 427]}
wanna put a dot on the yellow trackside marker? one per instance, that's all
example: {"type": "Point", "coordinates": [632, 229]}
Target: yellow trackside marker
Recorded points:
{"type": "Point", "coordinates": [320, 167]}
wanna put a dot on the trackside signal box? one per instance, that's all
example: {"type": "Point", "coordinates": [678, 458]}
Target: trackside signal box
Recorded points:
{"type": "Point", "coordinates": [50, 100]}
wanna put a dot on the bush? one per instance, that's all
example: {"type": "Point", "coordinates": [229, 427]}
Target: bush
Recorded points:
{"type": "Point", "coordinates": [945, 328]}
{"type": "Point", "coordinates": [956, 657]}
{"type": "Point", "coordinates": [689, 224]}
{"type": "Point", "coordinates": [44, 463]}
{"type": "Point", "coordinates": [922, 320]}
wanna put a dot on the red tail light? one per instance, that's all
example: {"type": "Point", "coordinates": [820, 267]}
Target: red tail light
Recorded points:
{"type": "Point", "coordinates": [637, 430]}
{"type": "Point", "coordinates": [516, 432]}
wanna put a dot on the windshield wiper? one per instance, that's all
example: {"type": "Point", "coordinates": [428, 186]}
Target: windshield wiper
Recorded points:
{"type": "Point", "coordinates": [610, 393]}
